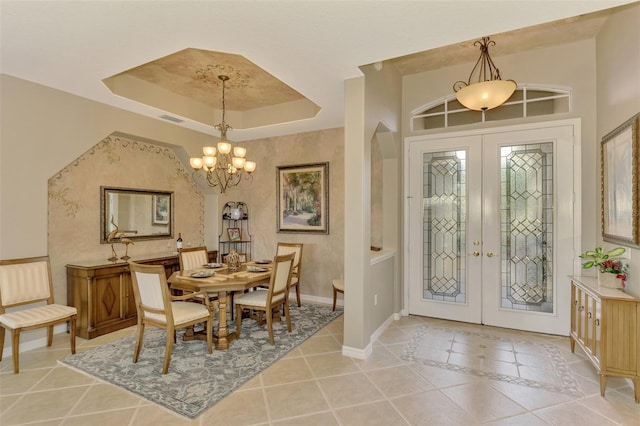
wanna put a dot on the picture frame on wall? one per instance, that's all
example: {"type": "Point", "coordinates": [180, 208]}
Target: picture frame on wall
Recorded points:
{"type": "Point", "coordinates": [303, 198]}
{"type": "Point", "coordinates": [619, 184]}
{"type": "Point", "coordinates": [234, 234]}
{"type": "Point", "coordinates": [160, 209]}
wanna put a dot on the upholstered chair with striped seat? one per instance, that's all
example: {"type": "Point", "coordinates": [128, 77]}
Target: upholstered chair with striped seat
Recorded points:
{"type": "Point", "coordinates": [25, 282]}
{"type": "Point", "coordinates": [193, 258]}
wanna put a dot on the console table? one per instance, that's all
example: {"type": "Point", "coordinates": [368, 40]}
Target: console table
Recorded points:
{"type": "Point", "coordinates": [103, 294]}
{"type": "Point", "coordinates": [605, 323]}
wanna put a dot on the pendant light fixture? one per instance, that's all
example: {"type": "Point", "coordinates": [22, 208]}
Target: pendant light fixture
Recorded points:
{"type": "Point", "coordinates": [485, 89]}
{"type": "Point", "coordinates": [223, 165]}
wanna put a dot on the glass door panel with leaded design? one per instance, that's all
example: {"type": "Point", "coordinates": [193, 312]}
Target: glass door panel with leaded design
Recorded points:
{"type": "Point", "coordinates": [491, 227]}
{"type": "Point", "coordinates": [528, 224]}
{"type": "Point", "coordinates": [446, 277]}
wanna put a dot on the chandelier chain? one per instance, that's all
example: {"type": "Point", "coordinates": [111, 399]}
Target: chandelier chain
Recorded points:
{"type": "Point", "coordinates": [224, 165]}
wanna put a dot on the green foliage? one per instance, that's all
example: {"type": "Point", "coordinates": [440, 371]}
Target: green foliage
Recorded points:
{"type": "Point", "coordinates": [599, 256]}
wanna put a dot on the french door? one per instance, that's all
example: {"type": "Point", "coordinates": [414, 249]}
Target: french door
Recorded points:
{"type": "Point", "coordinates": [491, 226]}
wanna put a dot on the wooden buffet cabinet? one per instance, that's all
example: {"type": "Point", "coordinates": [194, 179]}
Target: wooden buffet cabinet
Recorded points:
{"type": "Point", "coordinates": [102, 293]}
{"type": "Point", "coordinates": [605, 323]}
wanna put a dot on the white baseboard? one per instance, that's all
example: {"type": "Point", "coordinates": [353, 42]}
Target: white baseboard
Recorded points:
{"type": "Point", "coordinates": [368, 350]}
{"type": "Point", "coordinates": [315, 299]}
{"type": "Point", "coordinates": [358, 353]}
{"type": "Point", "coordinates": [31, 344]}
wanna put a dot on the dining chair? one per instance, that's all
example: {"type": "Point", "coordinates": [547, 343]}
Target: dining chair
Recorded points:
{"type": "Point", "coordinates": [269, 300]}
{"type": "Point", "coordinates": [157, 307]}
{"type": "Point", "coordinates": [338, 286]}
{"type": "Point", "coordinates": [285, 248]}
{"type": "Point", "coordinates": [193, 257]}
{"type": "Point", "coordinates": [28, 281]}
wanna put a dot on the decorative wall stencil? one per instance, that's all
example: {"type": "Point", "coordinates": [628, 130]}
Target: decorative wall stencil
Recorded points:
{"type": "Point", "coordinates": [120, 162]}
{"type": "Point", "coordinates": [62, 196]}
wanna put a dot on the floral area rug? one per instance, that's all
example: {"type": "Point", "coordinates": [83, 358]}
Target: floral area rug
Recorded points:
{"type": "Point", "coordinates": [495, 356]}
{"type": "Point", "coordinates": [196, 379]}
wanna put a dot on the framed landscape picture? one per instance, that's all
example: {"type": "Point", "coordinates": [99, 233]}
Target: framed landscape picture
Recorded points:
{"type": "Point", "coordinates": [619, 171]}
{"type": "Point", "coordinates": [303, 198]}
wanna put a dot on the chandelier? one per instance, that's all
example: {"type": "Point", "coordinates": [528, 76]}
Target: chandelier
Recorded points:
{"type": "Point", "coordinates": [487, 90]}
{"type": "Point", "coordinates": [222, 168]}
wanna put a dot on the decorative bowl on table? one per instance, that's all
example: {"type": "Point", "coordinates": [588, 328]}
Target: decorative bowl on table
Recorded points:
{"type": "Point", "coordinates": [233, 260]}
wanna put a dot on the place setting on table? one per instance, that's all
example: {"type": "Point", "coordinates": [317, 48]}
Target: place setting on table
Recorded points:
{"type": "Point", "coordinates": [223, 279]}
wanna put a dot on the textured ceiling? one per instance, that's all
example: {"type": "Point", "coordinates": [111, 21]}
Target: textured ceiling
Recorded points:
{"type": "Point", "coordinates": [193, 73]}
{"type": "Point", "coordinates": [192, 76]}
{"type": "Point", "coordinates": [309, 48]}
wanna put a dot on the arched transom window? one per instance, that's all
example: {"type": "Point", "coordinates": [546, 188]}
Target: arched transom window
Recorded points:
{"type": "Point", "coordinates": [526, 101]}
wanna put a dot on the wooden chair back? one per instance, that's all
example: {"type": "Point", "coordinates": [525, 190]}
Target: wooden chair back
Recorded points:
{"type": "Point", "coordinates": [150, 288]}
{"type": "Point", "coordinates": [24, 281]}
{"type": "Point", "coordinates": [193, 257]}
{"type": "Point", "coordinates": [155, 306]}
{"type": "Point", "coordinates": [28, 281]}
{"type": "Point", "coordinates": [280, 279]}
{"type": "Point", "coordinates": [286, 248]}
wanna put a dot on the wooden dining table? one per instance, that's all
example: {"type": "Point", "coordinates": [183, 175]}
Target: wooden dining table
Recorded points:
{"type": "Point", "coordinates": [222, 282]}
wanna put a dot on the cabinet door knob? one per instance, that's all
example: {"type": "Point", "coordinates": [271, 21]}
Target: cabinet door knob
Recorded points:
{"type": "Point", "coordinates": [597, 321]}
{"type": "Point", "coordinates": [589, 315]}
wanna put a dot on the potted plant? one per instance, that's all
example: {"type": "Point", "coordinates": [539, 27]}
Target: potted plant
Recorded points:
{"type": "Point", "coordinates": [610, 268]}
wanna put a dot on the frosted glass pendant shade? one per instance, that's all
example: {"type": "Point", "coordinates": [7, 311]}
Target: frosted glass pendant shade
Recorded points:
{"type": "Point", "coordinates": [486, 95]}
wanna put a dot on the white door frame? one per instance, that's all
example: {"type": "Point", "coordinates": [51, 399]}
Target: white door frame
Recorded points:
{"type": "Point", "coordinates": [577, 186]}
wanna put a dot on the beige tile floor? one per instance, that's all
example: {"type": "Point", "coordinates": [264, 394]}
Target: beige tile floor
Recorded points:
{"type": "Point", "coordinates": [315, 385]}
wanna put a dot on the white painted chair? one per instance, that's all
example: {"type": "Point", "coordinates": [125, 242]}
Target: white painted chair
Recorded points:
{"type": "Point", "coordinates": [28, 281]}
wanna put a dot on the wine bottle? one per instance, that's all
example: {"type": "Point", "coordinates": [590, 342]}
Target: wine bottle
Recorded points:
{"type": "Point", "coordinates": [179, 241]}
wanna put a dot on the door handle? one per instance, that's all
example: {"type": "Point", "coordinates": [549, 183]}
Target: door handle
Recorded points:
{"type": "Point", "coordinates": [490, 254]}
{"type": "Point", "coordinates": [475, 253]}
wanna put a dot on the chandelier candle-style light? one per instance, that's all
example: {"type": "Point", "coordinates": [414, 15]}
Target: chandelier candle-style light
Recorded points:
{"type": "Point", "coordinates": [485, 89]}
{"type": "Point", "coordinates": [222, 168]}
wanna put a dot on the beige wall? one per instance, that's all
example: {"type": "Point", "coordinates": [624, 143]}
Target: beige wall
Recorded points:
{"type": "Point", "coordinates": [45, 130]}
{"type": "Point", "coordinates": [618, 99]}
{"type": "Point", "coordinates": [376, 194]}
{"type": "Point", "coordinates": [322, 254]}
{"type": "Point", "coordinates": [74, 202]}
{"type": "Point", "coordinates": [373, 108]}
{"type": "Point", "coordinates": [42, 131]}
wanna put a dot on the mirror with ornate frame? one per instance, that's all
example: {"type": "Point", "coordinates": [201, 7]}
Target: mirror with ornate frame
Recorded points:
{"type": "Point", "coordinates": [136, 214]}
